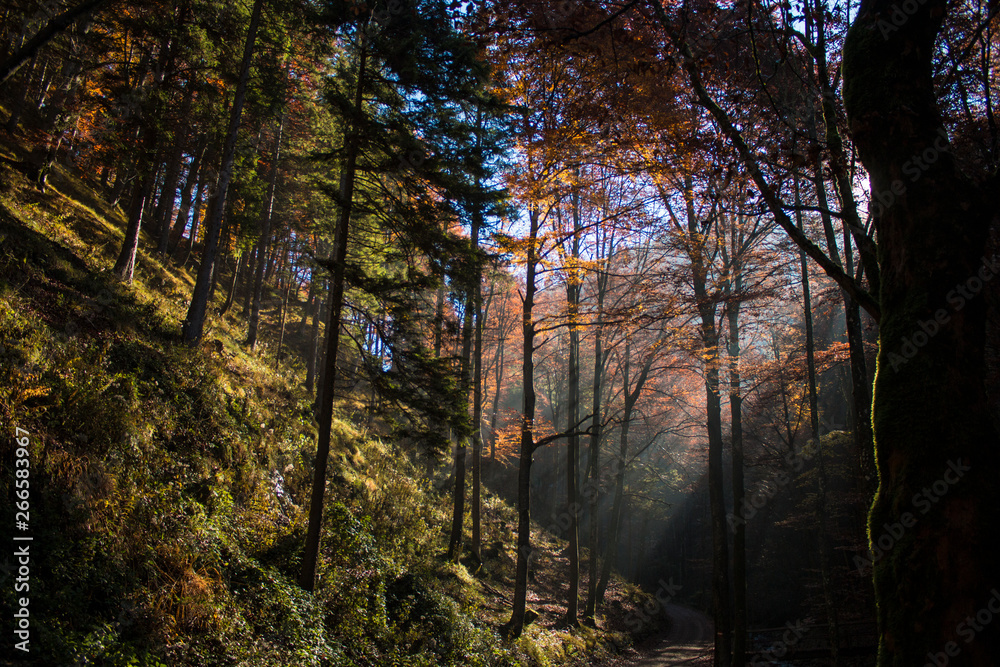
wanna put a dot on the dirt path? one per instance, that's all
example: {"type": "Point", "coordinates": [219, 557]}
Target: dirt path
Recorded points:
{"type": "Point", "coordinates": [688, 642]}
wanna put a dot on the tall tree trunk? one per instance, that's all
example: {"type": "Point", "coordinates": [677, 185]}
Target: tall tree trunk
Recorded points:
{"type": "Point", "coordinates": [573, 281]}
{"type": "Point", "coordinates": [164, 213]}
{"type": "Point", "coordinates": [740, 613]}
{"type": "Point", "coordinates": [312, 361]}
{"type": "Point", "coordinates": [439, 320]}
{"type": "Point", "coordinates": [231, 293]}
{"type": "Point", "coordinates": [477, 403]}
{"type": "Point", "coordinates": [44, 83]}
{"type": "Point", "coordinates": [515, 625]}
{"type": "Point", "coordinates": [721, 606]}
{"type": "Point", "coordinates": [195, 320]}
{"type": "Point", "coordinates": [822, 534]}
{"type": "Point", "coordinates": [17, 107]}
{"type": "Point", "coordinates": [223, 260]}
{"type": "Point", "coordinates": [307, 305]}
{"type": "Point", "coordinates": [125, 265]}
{"type": "Point", "coordinates": [124, 174]}
{"type": "Point", "coordinates": [594, 458]}
{"type": "Point", "coordinates": [284, 316]}
{"type": "Point", "coordinates": [307, 578]}
{"type": "Point", "coordinates": [194, 171]}
{"type": "Point", "coordinates": [501, 345]}
{"type": "Point", "coordinates": [614, 530]}
{"type": "Point", "coordinates": [265, 239]}
{"type": "Point", "coordinates": [61, 115]}
{"type": "Point", "coordinates": [931, 419]}
{"type": "Point", "coordinates": [196, 217]}
{"type": "Point", "coordinates": [472, 295]}
{"type": "Point", "coordinates": [614, 525]}
{"type": "Point", "coordinates": [860, 385]}
{"type": "Point", "coordinates": [720, 547]}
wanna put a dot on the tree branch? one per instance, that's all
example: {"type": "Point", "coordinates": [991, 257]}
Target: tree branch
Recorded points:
{"type": "Point", "coordinates": [55, 26]}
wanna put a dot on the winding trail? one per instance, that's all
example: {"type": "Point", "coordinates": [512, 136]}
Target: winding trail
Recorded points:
{"type": "Point", "coordinates": [688, 642]}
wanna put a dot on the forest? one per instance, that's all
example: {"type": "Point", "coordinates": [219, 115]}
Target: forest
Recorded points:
{"type": "Point", "coordinates": [527, 333]}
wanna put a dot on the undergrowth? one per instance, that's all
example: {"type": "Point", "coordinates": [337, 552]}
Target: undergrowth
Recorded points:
{"type": "Point", "coordinates": [169, 483]}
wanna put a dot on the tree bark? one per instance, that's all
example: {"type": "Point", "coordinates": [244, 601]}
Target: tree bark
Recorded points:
{"type": "Point", "coordinates": [307, 577]}
{"type": "Point", "coordinates": [265, 239]}
{"type": "Point", "coordinates": [196, 217]}
{"type": "Point", "coordinates": [125, 265]}
{"type": "Point", "coordinates": [194, 172]}
{"type": "Point", "coordinates": [231, 293]}
{"type": "Point", "coordinates": [594, 462]}
{"type": "Point", "coordinates": [458, 514]}
{"type": "Point", "coordinates": [55, 26]}
{"type": "Point", "coordinates": [17, 107]}
{"type": "Point", "coordinates": [284, 313]}
{"type": "Point", "coordinates": [515, 625]}
{"type": "Point", "coordinates": [496, 395]}
{"type": "Point", "coordinates": [860, 385]}
{"type": "Point", "coordinates": [740, 612]}
{"type": "Point", "coordinates": [573, 281]}
{"type": "Point", "coordinates": [931, 420]}
{"type": "Point", "coordinates": [195, 320]}
{"type": "Point", "coordinates": [823, 540]}
{"type": "Point", "coordinates": [164, 213]}
{"type": "Point", "coordinates": [706, 306]}
{"type": "Point", "coordinates": [477, 399]}
{"type": "Point", "coordinates": [311, 362]}
{"type": "Point", "coordinates": [614, 530]}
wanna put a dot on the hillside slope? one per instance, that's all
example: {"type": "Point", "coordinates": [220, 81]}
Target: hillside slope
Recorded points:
{"type": "Point", "coordinates": [167, 485]}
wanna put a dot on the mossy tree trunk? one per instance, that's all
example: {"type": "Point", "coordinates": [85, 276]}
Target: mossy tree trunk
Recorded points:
{"type": "Point", "coordinates": [937, 453]}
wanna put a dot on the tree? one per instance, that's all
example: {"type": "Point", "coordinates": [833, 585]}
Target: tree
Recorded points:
{"type": "Point", "coordinates": [413, 84]}
{"type": "Point", "coordinates": [527, 446]}
{"type": "Point", "coordinates": [195, 320]}
{"type": "Point", "coordinates": [257, 288]}
{"type": "Point", "coordinates": [930, 416]}
{"type": "Point", "coordinates": [352, 141]}
{"type": "Point", "coordinates": [55, 26]}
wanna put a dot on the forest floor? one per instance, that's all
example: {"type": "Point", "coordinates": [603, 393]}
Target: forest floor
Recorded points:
{"type": "Point", "coordinates": [687, 641]}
